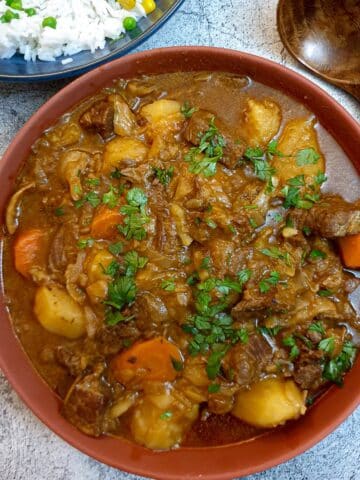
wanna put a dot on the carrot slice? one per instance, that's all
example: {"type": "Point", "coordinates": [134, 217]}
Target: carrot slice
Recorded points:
{"type": "Point", "coordinates": [29, 250]}
{"type": "Point", "coordinates": [104, 223]}
{"type": "Point", "coordinates": [153, 359]}
{"type": "Point", "coordinates": [350, 250]}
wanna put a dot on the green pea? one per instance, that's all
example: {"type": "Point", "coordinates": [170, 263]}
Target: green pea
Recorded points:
{"type": "Point", "coordinates": [129, 23]}
{"type": "Point", "coordinates": [49, 22]}
{"type": "Point", "coordinates": [8, 16]}
{"type": "Point", "coordinates": [15, 4]}
{"type": "Point", "coordinates": [30, 12]}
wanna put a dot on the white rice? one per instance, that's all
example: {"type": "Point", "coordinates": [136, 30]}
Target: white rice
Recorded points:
{"type": "Point", "coordinates": [81, 25]}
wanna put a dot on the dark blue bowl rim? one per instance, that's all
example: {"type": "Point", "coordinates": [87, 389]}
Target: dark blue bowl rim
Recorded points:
{"type": "Point", "coordinates": [78, 70]}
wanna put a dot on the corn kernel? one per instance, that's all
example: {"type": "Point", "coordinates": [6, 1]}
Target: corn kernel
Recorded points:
{"type": "Point", "coordinates": [127, 4]}
{"type": "Point", "coordinates": [148, 5]}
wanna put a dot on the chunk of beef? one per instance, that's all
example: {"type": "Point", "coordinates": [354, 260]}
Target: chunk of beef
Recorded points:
{"type": "Point", "coordinates": [73, 361]}
{"type": "Point", "coordinates": [86, 403]}
{"type": "Point", "coordinates": [99, 118]}
{"type": "Point", "coordinates": [110, 340]}
{"type": "Point", "coordinates": [330, 218]}
{"type": "Point", "coordinates": [308, 370]}
{"type": "Point", "coordinates": [199, 124]}
{"type": "Point", "coordinates": [244, 363]}
{"type": "Point", "coordinates": [256, 303]}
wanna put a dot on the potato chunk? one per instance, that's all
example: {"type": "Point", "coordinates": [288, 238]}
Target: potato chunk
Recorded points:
{"type": "Point", "coordinates": [262, 121]}
{"type": "Point", "coordinates": [270, 403]}
{"type": "Point", "coordinates": [123, 152]}
{"type": "Point", "coordinates": [160, 421]}
{"type": "Point", "coordinates": [58, 312]}
{"type": "Point", "coordinates": [153, 112]}
{"type": "Point", "coordinates": [96, 264]}
{"type": "Point", "coordinates": [298, 134]}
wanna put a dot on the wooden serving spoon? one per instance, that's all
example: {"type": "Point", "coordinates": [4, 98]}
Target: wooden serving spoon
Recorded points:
{"type": "Point", "coordinates": [324, 35]}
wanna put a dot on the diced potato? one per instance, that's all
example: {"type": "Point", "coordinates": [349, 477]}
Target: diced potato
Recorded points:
{"type": "Point", "coordinates": [96, 264]}
{"type": "Point", "coordinates": [178, 215]}
{"type": "Point", "coordinates": [162, 424]}
{"type": "Point", "coordinates": [270, 403]}
{"type": "Point", "coordinates": [123, 152]}
{"type": "Point", "coordinates": [262, 121]}
{"type": "Point", "coordinates": [124, 119]}
{"type": "Point", "coordinates": [298, 134]}
{"type": "Point", "coordinates": [58, 312]}
{"type": "Point", "coordinates": [153, 112]}
{"type": "Point", "coordinates": [64, 135]}
{"type": "Point", "coordinates": [97, 291]}
{"type": "Point", "coordinates": [195, 371]}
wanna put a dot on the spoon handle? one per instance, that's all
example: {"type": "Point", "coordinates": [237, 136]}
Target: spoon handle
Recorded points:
{"type": "Point", "coordinates": [354, 90]}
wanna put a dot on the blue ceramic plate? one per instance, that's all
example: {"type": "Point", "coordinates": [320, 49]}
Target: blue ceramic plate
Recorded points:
{"type": "Point", "coordinates": [17, 69]}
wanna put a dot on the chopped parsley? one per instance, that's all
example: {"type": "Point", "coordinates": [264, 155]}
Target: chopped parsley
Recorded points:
{"type": "Point", "coordinates": [177, 364]}
{"type": "Point", "coordinates": [203, 159]}
{"type": "Point", "coordinates": [336, 367]}
{"type": "Point", "coordinates": [274, 252]}
{"type": "Point", "coordinates": [59, 211]}
{"type": "Point", "coordinates": [187, 110]}
{"type": "Point", "coordinates": [205, 263]}
{"type": "Point", "coordinates": [294, 349]}
{"type": "Point", "coordinates": [266, 283]}
{"type": "Point", "coordinates": [111, 197]}
{"type": "Point", "coordinates": [327, 345]}
{"type": "Point", "coordinates": [168, 285]}
{"type": "Point", "coordinates": [134, 262]}
{"type": "Point", "coordinates": [214, 388]}
{"type": "Point", "coordinates": [262, 168]}
{"type": "Point", "coordinates": [164, 175]}
{"type": "Point", "coordinates": [85, 243]}
{"type": "Point", "coordinates": [317, 327]}
{"type": "Point", "coordinates": [270, 331]}
{"type": "Point", "coordinates": [166, 415]}
{"type": "Point", "coordinates": [317, 254]}
{"type": "Point", "coordinates": [307, 156]}
{"type": "Point", "coordinates": [91, 197]}
{"type": "Point", "coordinates": [320, 178]}
{"type": "Point", "coordinates": [135, 215]}
{"type": "Point", "coordinates": [116, 248]}
{"type": "Point", "coordinates": [210, 223]}
{"type": "Point", "coordinates": [253, 223]}
{"type": "Point", "coordinates": [325, 293]}
{"type": "Point", "coordinates": [94, 182]}
{"type": "Point", "coordinates": [121, 292]}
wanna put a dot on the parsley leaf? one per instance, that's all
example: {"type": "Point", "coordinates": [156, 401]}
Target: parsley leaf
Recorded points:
{"type": "Point", "coordinates": [327, 345]}
{"type": "Point", "coordinates": [274, 252]}
{"type": "Point", "coordinates": [266, 283]}
{"type": "Point", "coordinates": [164, 175]}
{"type": "Point", "coordinates": [166, 415]}
{"type": "Point", "coordinates": [317, 327]}
{"type": "Point", "coordinates": [213, 387]}
{"type": "Point", "coordinates": [320, 178]}
{"type": "Point", "coordinates": [203, 159]}
{"type": "Point", "coordinates": [121, 291]}
{"type": "Point", "coordinates": [294, 349]}
{"type": "Point", "coordinates": [94, 182]}
{"type": "Point", "coordinates": [214, 362]}
{"type": "Point", "coordinates": [205, 263]}
{"type": "Point", "coordinates": [135, 216]}
{"type": "Point", "coordinates": [307, 156]}
{"type": "Point", "coordinates": [110, 198]}
{"type": "Point", "coordinates": [59, 211]}
{"type": "Point", "coordinates": [168, 285]}
{"type": "Point", "coordinates": [316, 254]}
{"type": "Point", "coordinates": [116, 248]}
{"type": "Point", "coordinates": [324, 293]}
{"type": "Point", "coordinates": [270, 331]}
{"type": "Point", "coordinates": [136, 197]}
{"type": "Point", "coordinates": [133, 262]}
{"type": "Point", "coordinates": [187, 110]}
{"type": "Point", "coordinates": [85, 243]}
{"type": "Point", "coordinates": [336, 367]}
{"type": "Point", "coordinates": [244, 276]}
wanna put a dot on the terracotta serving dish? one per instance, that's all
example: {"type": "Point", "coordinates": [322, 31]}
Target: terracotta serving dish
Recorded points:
{"type": "Point", "coordinates": [214, 463]}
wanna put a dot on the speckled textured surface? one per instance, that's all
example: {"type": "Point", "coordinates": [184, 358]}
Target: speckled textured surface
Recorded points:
{"type": "Point", "coordinates": [28, 450]}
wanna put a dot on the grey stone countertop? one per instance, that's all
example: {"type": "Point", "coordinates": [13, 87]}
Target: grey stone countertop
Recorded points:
{"type": "Point", "coordinates": [28, 450]}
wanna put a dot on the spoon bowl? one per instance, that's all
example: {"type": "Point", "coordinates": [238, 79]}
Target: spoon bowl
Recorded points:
{"type": "Point", "coordinates": [324, 35]}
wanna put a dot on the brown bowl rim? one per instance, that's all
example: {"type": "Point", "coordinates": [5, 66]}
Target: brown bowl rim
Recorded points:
{"type": "Point", "coordinates": [211, 463]}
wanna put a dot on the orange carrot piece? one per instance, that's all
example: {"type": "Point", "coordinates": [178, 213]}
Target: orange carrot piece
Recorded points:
{"type": "Point", "coordinates": [153, 359]}
{"type": "Point", "coordinates": [350, 250]}
{"type": "Point", "coordinates": [29, 250]}
{"type": "Point", "coordinates": [104, 223]}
